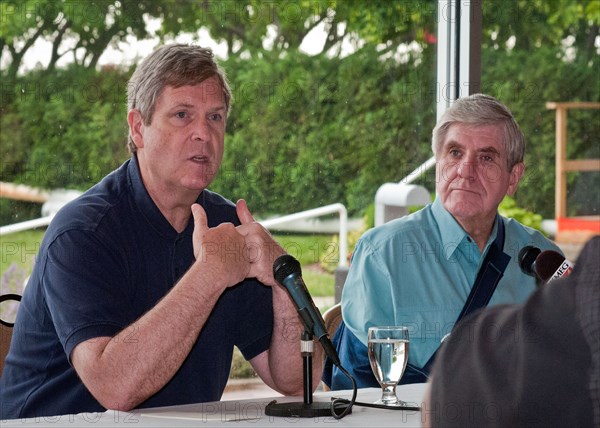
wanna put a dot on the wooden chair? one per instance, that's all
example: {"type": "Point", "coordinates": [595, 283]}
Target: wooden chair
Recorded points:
{"type": "Point", "coordinates": [6, 329]}
{"type": "Point", "coordinates": [333, 318]}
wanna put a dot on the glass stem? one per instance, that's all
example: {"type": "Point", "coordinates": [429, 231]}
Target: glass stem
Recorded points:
{"type": "Point", "coordinates": [389, 394]}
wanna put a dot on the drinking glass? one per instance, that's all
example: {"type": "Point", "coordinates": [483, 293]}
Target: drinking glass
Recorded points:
{"type": "Point", "coordinates": [388, 355]}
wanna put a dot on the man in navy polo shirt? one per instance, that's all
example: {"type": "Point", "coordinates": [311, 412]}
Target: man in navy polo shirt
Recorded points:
{"type": "Point", "coordinates": [145, 283]}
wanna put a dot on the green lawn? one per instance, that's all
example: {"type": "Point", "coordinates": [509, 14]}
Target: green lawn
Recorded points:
{"type": "Point", "coordinates": [311, 251]}
{"type": "Point", "coordinates": [17, 255]}
{"type": "Point", "coordinates": [20, 248]}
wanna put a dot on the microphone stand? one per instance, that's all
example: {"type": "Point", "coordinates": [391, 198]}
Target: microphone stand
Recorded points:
{"type": "Point", "coordinates": [308, 408]}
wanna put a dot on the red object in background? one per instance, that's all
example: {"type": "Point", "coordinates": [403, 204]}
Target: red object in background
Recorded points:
{"type": "Point", "coordinates": [430, 38]}
{"type": "Point", "coordinates": [591, 224]}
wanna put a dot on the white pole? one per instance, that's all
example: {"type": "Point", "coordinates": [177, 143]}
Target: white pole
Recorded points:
{"type": "Point", "coordinates": [25, 225]}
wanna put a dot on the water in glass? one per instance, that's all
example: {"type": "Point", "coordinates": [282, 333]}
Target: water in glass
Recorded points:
{"type": "Point", "coordinates": [388, 355]}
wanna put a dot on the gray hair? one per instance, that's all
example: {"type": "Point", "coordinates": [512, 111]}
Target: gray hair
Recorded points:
{"type": "Point", "coordinates": [173, 65]}
{"type": "Point", "coordinates": [480, 109]}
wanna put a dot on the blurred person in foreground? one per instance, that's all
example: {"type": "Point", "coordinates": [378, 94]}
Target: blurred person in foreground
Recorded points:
{"type": "Point", "coordinates": [144, 285]}
{"type": "Point", "coordinates": [535, 364]}
{"type": "Point", "coordinates": [418, 270]}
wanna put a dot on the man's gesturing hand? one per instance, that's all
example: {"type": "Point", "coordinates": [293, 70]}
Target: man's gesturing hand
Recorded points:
{"type": "Point", "coordinates": [222, 249]}
{"type": "Point", "coordinates": [261, 249]}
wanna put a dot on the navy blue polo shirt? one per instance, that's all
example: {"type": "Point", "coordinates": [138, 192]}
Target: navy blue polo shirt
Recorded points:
{"type": "Point", "coordinates": [106, 259]}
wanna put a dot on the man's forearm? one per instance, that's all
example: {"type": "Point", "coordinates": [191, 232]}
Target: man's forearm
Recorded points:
{"type": "Point", "coordinates": [129, 368]}
{"type": "Point", "coordinates": [285, 359]}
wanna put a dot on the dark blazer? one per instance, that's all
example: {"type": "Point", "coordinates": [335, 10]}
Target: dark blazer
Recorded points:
{"type": "Point", "coordinates": [536, 364]}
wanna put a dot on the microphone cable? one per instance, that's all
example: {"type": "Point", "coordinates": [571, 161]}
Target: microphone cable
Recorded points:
{"type": "Point", "coordinates": [342, 402]}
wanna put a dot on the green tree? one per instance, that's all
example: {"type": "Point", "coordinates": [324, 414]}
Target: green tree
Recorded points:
{"type": "Point", "coordinates": [64, 130]}
{"type": "Point", "coordinates": [77, 28]}
{"type": "Point", "coordinates": [247, 26]}
{"type": "Point", "coordinates": [530, 24]}
{"type": "Point", "coordinates": [305, 130]}
{"type": "Point", "coordinates": [540, 51]}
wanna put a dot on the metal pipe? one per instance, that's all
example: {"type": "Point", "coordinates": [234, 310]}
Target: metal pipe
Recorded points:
{"type": "Point", "coordinates": [318, 212]}
{"type": "Point", "coordinates": [25, 225]}
{"type": "Point", "coordinates": [315, 212]}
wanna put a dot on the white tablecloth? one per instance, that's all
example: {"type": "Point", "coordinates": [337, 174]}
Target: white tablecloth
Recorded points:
{"type": "Point", "coordinates": [243, 413]}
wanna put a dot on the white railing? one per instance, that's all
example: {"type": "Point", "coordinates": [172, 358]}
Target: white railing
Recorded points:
{"type": "Point", "coordinates": [269, 223]}
{"type": "Point", "coordinates": [318, 212]}
{"type": "Point", "coordinates": [25, 225]}
{"type": "Point", "coordinates": [417, 173]}
{"type": "Point", "coordinates": [52, 202]}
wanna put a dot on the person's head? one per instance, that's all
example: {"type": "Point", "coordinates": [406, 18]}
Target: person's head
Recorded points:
{"type": "Point", "coordinates": [477, 110]}
{"type": "Point", "coordinates": [178, 105]}
{"type": "Point", "coordinates": [479, 150]}
{"type": "Point", "coordinates": [174, 65]}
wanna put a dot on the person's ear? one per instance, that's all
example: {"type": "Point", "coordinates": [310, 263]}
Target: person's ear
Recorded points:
{"type": "Point", "coordinates": [515, 176]}
{"type": "Point", "coordinates": [136, 124]}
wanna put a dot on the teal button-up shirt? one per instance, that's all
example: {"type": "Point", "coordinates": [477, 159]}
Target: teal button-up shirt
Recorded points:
{"type": "Point", "coordinates": [418, 270]}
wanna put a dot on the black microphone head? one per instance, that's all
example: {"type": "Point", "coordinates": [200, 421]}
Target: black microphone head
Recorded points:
{"type": "Point", "coordinates": [285, 265]}
{"type": "Point", "coordinates": [547, 263]}
{"type": "Point", "coordinates": [527, 257]}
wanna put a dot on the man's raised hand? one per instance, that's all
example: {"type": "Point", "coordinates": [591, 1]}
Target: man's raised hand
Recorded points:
{"type": "Point", "coordinates": [261, 248]}
{"type": "Point", "coordinates": [220, 248]}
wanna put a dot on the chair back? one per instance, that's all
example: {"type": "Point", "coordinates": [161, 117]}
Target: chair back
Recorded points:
{"type": "Point", "coordinates": [333, 318]}
{"type": "Point", "coordinates": [6, 329]}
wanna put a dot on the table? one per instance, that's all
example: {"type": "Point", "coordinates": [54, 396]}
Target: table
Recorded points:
{"type": "Point", "coordinates": [243, 413]}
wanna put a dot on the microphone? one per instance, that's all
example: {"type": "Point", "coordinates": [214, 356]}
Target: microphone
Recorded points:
{"type": "Point", "coordinates": [526, 258]}
{"type": "Point", "coordinates": [288, 273]}
{"type": "Point", "coordinates": [550, 265]}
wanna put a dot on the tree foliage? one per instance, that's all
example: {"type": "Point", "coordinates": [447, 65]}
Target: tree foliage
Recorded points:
{"type": "Point", "coordinates": [77, 28]}
{"type": "Point", "coordinates": [305, 130]}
